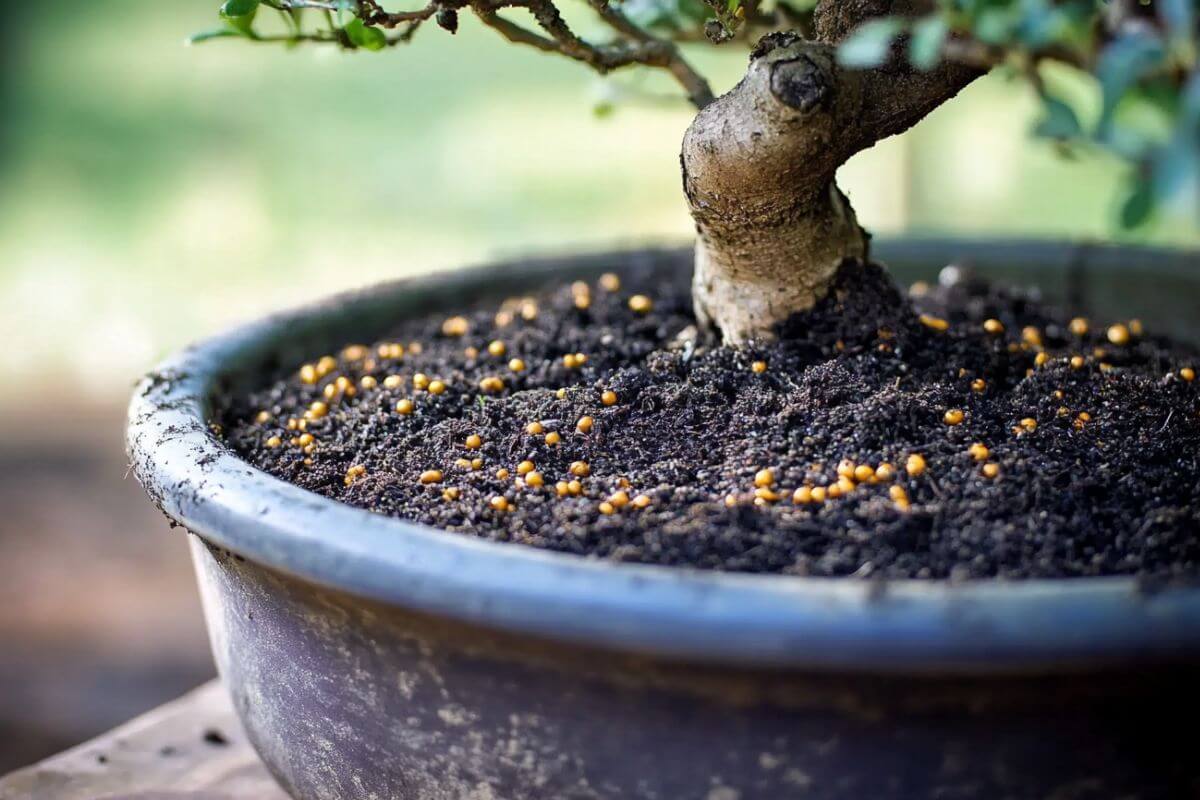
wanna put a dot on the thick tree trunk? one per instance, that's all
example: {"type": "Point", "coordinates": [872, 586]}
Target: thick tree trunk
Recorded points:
{"type": "Point", "coordinates": [758, 170]}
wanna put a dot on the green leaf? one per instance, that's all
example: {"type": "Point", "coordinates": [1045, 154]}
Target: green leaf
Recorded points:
{"type": "Point", "coordinates": [1189, 104]}
{"type": "Point", "coordinates": [1059, 122]}
{"type": "Point", "coordinates": [1176, 170]}
{"type": "Point", "coordinates": [666, 15]}
{"type": "Point", "coordinates": [996, 25]}
{"type": "Point", "coordinates": [870, 44]}
{"type": "Point", "coordinates": [239, 8]}
{"type": "Point", "coordinates": [1122, 64]}
{"type": "Point", "coordinates": [692, 10]}
{"type": "Point", "coordinates": [1041, 23]}
{"type": "Point", "coordinates": [1138, 206]}
{"type": "Point", "coordinates": [1178, 15]}
{"type": "Point", "coordinates": [365, 36]}
{"type": "Point", "coordinates": [240, 14]}
{"type": "Point", "coordinates": [928, 37]}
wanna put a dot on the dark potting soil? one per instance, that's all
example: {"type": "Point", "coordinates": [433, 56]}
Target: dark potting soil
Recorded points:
{"type": "Point", "coordinates": [886, 434]}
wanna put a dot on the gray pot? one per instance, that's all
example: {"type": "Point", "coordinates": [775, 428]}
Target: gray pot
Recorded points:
{"type": "Point", "coordinates": [369, 657]}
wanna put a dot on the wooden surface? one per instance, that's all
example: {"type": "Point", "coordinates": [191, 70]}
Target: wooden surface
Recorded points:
{"type": "Point", "coordinates": [191, 749]}
{"type": "Point", "coordinates": [99, 614]}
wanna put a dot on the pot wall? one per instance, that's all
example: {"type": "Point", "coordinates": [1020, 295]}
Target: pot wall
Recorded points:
{"type": "Point", "coordinates": [350, 699]}
{"type": "Point", "coordinates": [369, 657]}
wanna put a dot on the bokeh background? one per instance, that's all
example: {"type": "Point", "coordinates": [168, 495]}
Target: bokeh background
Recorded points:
{"type": "Point", "coordinates": [152, 193]}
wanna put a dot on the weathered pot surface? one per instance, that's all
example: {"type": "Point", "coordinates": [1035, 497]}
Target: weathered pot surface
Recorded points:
{"type": "Point", "coordinates": [370, 657]}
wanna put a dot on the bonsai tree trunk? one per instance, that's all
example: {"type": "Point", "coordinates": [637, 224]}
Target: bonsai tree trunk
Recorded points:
{"type": "Point", "coordinates": [759, 165]}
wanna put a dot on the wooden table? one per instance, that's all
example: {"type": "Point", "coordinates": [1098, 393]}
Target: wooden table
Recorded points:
{"type": "Point", "coordinates": [191, 749]}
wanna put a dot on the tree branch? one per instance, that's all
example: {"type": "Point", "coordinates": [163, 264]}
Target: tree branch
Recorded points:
{"type": "Point", "coordinates": [635, 47]}
{"type": "Point", "coordinates": [834, 20]}
{"type": "Point", "coordinates": [374, 15]}
{"type": "Point", "coordinates": [893, 100]}
{"type": "Point", "coordinates": [512, 31]}
{"type": "Point", "coordinates": [693, 82]}
{"type": "Point", "coordinates": [645, 49]}
{"type": "Point", "coordinates": [895, 96]}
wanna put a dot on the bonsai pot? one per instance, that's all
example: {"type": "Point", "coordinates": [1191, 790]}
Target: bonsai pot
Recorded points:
{"type": "Point", "coordinates": [371, 657]}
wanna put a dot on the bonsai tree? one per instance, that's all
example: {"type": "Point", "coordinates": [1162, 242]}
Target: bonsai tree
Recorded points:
{"type": "Point", "coordinates": [825, 81]}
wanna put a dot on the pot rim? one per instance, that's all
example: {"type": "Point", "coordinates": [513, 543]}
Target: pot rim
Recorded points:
{"type": "Point", "coordinates": [776, 621]}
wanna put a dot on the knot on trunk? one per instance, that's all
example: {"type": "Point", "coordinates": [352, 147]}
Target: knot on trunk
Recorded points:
{"type": "Point", "coordinates": [801, 83]}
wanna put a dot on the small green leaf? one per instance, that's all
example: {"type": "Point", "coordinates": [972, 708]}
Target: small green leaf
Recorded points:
{"type": "Point", "coordinates": [239, 8]}
{"type": "Point", "coordinates": [1041, 23]}
{"type": "Point", "coordinates": [1059, 122]}
{"type": "Point", "coordinates": [1138, 206]}
{"type": "Point", "coordinates": [1189, 115]}
{"type": "Point", "coordinates": [1179, 17]}
{"type": "Point", "coordinates": [365, 36]}
{"type": "Point", "coordinates": [1176, 170]}
{"type": "Point", "coordinates": [692, 10]}
{"type": "Point", "coordinates": [925, 46]}
{"type": "Point", "coordinates": [996, 25]}
{"type": "Point", "coordinates": [870, 44]}
{"type": "Point", "coordinates": [1122, 64]}
{"type": "Point", "coordinates": [666, 15]}
{"type": "Point", "coordinates": [240, 14]}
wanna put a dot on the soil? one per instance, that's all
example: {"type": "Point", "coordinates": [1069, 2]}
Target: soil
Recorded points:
{"type": "Point", "coordinates": [1091, 467]}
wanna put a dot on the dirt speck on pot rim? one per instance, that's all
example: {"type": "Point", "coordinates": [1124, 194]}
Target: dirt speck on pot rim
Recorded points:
{"type": "Point", "coordinates": [955, 431]}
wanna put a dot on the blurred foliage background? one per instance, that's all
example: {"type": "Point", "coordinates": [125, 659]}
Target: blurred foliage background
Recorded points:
{"type": "Point", "coordinates": [152, 193]}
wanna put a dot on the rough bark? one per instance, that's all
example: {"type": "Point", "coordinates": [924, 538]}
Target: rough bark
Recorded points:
{"type": "Point", "coordinates": [759, 165]}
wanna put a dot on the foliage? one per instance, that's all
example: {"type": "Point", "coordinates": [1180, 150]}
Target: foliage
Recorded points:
{"type": "Point", "coordinates": [1141, 98]}
{"type": "Point", "coordinates": [1116, 76]}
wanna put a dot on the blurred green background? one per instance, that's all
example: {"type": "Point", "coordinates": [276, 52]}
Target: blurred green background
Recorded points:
{"type": "Point", "coordinates": [152, 193]}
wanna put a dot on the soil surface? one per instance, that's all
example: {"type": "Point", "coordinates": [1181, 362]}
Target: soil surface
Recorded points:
{"type": "Point", "coordinates": [957, 431]}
